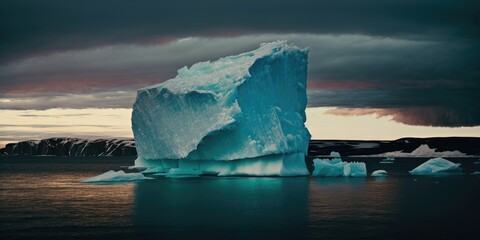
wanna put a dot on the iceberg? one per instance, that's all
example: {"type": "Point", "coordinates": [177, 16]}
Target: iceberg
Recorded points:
{"type": "Point", "coordinates": [355, 169]}
{"type": "Point", "coordinates": [112, 176]}
{"type": "Point", "coordinates": [239, 115]}
{"type": "Point", "coordinates": [328, 168]}
{"type": "Point", "coordinates": [436, 166]}
{"type": "Point", "coordinates": [335, 167]}
{"type": "Point", "coordinates": [335, 154]}
{"type": "Point", "coordinates": [379, 173]}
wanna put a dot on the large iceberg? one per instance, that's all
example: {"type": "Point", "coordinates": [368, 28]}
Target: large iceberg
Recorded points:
{"type": "Point", "coordinates": [436, 166]}
{"type": "Point", "coordinates": [239, 115]}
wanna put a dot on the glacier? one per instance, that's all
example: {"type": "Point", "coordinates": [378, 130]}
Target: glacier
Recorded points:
{"type": "Point", "coordinates": [437, 166]}
{"type": "Point", "coordinates": [238, 115]}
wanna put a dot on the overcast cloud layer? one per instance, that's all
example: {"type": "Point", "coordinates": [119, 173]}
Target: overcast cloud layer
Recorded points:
{"type": "Point", "coordinates": [415, 60]}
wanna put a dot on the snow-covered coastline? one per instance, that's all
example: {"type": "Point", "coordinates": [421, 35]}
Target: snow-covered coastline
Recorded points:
{"type": "Point", "coordinates": [72, 147]}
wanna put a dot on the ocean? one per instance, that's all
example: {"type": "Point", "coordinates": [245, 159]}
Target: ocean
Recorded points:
{"type": "Point", "coordinates": [43, 198]}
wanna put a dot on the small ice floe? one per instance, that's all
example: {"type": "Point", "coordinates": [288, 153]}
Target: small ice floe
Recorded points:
{"type": "Point", "coordinates": [379, 173]}
{"type": "Point", "coordinates": [436, 166]}
{"type": "Point", "coordinates": [478, 162]}
{"type": "Point", "coordinates": [335, 154]}
{"type": "Point", "coordinates": [182, 173]}
{"type": "Point", "coordinates": [475, 173]}
{"type": "Point", "coordinates": [112, 176]}
{"type": "Point", "coordinates": [387, 160]}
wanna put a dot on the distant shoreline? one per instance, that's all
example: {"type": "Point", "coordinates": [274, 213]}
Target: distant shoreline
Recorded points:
{"type": "Point", "coordinates": [404, 147]}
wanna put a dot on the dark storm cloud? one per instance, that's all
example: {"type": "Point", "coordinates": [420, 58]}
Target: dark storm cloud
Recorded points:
{"type": "Point", "coordinates": [351, 71]}
{"type": "Point", "coordinates": [425, 116]}
{"type": "Point", "coordinates": [117, 99]}
{"type": "Point", "coordinates": [31, 27]}
{"type": "Point", "coordinates": [363, 54]}
{"type": "Point", "coordinates": [427, 107]}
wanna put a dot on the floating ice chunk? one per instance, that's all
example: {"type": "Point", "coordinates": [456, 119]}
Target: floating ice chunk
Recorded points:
{"type": "Point", "coordinates": [112, 176]}
{"type": "Point", "coordinates": [355, 169]}
{"type": "Point", "coordinates": [328, 168]}
{"type": "Point", "coordinates": [249, 106]}
{"type": "Point", "coordinates": [379, 173]}
{"type": "Point", "coordinates": [475, 173]}
{"type": "Point", "coordinates": [336, 167]}
{"type": "Point", "coordinates": [387, 160]}
{"type": "Point", "coordinates": [335, 154]}
{"type": "Point", "coordinates": [436, 166]}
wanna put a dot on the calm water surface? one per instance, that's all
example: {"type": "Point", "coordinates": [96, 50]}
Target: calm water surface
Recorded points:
{"type": "Point", "coordinates": [42, 197]}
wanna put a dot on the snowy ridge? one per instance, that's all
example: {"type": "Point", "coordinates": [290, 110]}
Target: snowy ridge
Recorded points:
{"type": "Point", "coordinates": [422, 151]}
{"type": "Point", "coordinates": [436, 146]}
{"type": "Point", "coordinates": [73, 147]}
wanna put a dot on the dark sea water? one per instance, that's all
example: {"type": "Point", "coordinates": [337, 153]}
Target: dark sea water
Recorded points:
{"type": "Point", "coordinates": [42, 198]}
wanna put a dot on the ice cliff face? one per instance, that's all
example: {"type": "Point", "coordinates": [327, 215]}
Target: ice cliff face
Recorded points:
{"type": "Point", "coordinates": [240, 113]}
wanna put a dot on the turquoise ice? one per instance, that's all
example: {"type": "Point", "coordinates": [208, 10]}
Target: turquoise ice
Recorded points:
{"type": "Point", "coordinates": [239, 115]}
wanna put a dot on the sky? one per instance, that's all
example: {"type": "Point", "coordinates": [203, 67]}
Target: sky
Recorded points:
{"type": "Point", "coordinates": [377, 69]}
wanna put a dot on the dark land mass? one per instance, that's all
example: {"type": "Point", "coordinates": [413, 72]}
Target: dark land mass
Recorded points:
{"type": "Point", "coordinates": [467, 145]}
{"type": "Point", "coordinates": [72, 147]}
{"type": "Point", "coordinates": [126, 147]}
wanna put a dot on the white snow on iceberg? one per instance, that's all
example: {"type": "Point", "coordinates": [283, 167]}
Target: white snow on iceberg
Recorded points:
{"type": "Point", "coordinates": [379, 173]}
{"type": "Point", "coordinates": [112, 176]}
{"type": "Point", "coordinates": [436, 166]}
{"type": "Point", "coordinates": [239, 115]}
